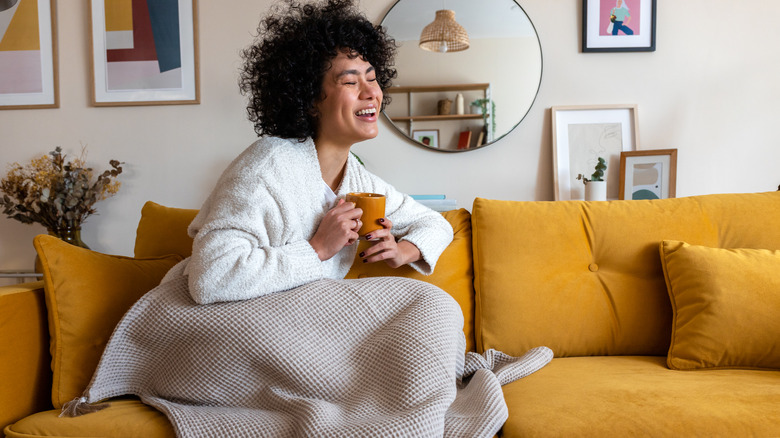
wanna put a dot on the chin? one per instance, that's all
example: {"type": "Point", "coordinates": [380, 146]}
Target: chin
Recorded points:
{"type": "Point", "coordinates": [369, 136]}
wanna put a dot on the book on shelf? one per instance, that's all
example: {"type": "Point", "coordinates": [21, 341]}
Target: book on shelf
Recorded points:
{"type": "Point", "coordinates": [419, 197]}
{"type": "Point", "coordinates": [464, 140]}
{"type": "Point", "coordinates": [480, 138]}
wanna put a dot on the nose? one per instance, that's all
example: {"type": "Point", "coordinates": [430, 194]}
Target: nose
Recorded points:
{"type": "Point", "coordinates": [370, 90]}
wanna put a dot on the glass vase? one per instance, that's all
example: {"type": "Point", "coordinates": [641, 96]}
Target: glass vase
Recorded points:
{"type": "Point", "coordinates": [70, 235]}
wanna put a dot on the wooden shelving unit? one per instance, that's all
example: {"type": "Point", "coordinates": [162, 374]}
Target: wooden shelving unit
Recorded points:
{"type": "Point", "coordinates": [412, 90]}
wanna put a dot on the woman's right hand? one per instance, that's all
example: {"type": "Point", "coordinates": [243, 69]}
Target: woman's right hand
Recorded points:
{"type": "Point", "coordinates": [337, 229]}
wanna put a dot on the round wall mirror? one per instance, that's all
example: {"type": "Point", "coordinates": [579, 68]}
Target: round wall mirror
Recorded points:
{"type": "Point", "coordinates": [461, 100]}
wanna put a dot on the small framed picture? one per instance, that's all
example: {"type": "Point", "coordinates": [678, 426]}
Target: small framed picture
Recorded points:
{"type": "Point", "coordinates": [428, 137]}
{"type": "Point", "coordinates": [28, 55]}
{"type": "Point", "coordinates": [583, 134]}
{"type": "Point", "coordinates": [144, 53]}
{"type": "Point", "coordinates": [618, 25]}
{"type": "Point", "coordinates": [650, 174]}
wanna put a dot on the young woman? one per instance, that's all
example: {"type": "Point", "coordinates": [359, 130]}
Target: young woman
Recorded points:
{"type": "Point", "coordinates": [277, 218]}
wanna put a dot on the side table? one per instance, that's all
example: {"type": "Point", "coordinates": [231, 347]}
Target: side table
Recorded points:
{"type": "Point", "coordinates": [21, 275]}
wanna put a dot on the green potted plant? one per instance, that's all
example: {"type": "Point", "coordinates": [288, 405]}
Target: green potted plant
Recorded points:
{"type": "Point", "coordinates": [482, 104]}
{"type": "Point", "coordinates": [596, 186]}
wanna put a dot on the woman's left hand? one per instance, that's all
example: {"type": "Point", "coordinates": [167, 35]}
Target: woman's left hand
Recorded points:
{"type": "Point", "coordinates": [394, 253]}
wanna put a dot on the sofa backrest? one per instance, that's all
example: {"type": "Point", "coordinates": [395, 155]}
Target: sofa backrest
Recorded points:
{"type": "Point", "coordinates": [585, 278]}
{"type": "Point", "coordinates": [163, 230]}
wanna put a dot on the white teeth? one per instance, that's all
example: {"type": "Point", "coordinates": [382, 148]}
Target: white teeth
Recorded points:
{"type": "Point", "coordinates": [366, 111]}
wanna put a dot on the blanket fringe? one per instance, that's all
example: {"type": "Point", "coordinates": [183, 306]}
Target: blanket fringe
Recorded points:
{"type": "Point", "coordinates": [507, 368]}
{"type": "Point", "coordinates": [79, 406]}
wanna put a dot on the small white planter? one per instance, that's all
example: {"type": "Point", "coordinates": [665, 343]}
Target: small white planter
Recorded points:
{"type": "Point", "coordinates": [596, 191]}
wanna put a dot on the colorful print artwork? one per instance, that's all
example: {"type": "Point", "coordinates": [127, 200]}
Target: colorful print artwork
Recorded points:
{"type": "Point", "coordinates": [619, 17]}
{"type": "Point", "coordinates": [144, 52]}
{"type": "Point", "coordinates": [26, 55]}
{"type": "Point", "coordinates": [20, 47]}
{"type": "Point", "coordinates": [142, 45]}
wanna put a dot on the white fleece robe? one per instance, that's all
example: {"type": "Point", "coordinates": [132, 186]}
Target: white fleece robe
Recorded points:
{"type": "Point", "coordinates": [251, 237]}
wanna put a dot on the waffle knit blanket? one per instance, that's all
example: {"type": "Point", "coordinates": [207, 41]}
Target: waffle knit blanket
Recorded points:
{"type": "Point", "coordinates": [379, 357]}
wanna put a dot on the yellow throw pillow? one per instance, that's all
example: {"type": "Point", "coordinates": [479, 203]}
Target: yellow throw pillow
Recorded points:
{"type": "Point", "coordinates": [453, 273]}
{"type": "Point", "coordinates": [163, 230]}
{"type": "Point", "coordinates": [726, 306]}
{"type": "Point", "coordinates": [87, 293]}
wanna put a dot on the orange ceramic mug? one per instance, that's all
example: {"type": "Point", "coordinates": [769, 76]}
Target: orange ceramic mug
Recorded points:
{"type": "Point", "coordinates": [373, 206]}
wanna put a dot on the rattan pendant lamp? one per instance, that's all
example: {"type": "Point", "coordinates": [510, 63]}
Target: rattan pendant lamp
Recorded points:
{"type": "Point", "coordinates": [444, 34]}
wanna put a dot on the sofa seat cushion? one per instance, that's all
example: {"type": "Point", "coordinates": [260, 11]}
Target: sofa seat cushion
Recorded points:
{"type": "Point", "coordinates": [126, 417]}
{"type": "Point", "coordinates": [640, 396]}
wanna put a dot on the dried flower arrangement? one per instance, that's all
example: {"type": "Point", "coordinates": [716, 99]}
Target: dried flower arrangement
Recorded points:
{"type": "Point", "coordinates": [54, 192]}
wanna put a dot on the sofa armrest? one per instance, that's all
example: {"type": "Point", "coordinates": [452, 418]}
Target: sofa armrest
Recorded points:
{"type": "Point", "coordinates": [25, 362]}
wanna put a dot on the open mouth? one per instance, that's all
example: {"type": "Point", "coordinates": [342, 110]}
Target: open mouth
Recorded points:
{"type": "Point", "coordinates": [368, 112]}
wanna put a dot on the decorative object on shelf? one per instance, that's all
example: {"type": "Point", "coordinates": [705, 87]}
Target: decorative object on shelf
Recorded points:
{"type": "Point", "coordinates": [648, 174]}
{"type": "Point", "coordinates": [144, 53]}
{"type": "Point", "coordinates": [428, 137]}
{"type": "Point", "coordinates": [595, 187]}
{"type": "Point", "coordinates": [580, 134]}
{"type": "Point", "coordinates": [56, 193]}
{"type": "Point", "coordinates": [444, 34]}
{"type": "Point", "coordinates": [482, 104]}
{"type": "Point", "coordinates": [444, 107]}
{"type": "Point", "coordinates": [616, 26]}
{"type": "Point", "coordinates": [28, 54]}
{"type": "Point", "coordinates": [459, 104]}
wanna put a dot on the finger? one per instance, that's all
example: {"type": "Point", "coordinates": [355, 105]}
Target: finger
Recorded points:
{"type": "Point", "coordinates": [386, 223]}
{"type": "Point", "coordinates": [377, 248]}
{"type": "Point", "coordinates": [355, 213]}
{"type": "Point", "coordinates": [382, 233]}
{"type": "Point", "coordinates": [344, 206]}
{"type": "Point", "coordinates": [381, 255]}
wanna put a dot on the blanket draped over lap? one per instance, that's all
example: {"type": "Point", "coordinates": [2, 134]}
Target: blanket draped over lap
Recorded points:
{"type": "Point", "coordinates": [370, 357]}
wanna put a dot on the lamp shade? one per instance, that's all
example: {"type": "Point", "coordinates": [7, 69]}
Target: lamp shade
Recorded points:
{"type": "Point", "coordinates": [444, 34]}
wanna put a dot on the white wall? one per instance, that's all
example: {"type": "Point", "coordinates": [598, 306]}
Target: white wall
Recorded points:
{"type": "Point", "coordinates": [710, 90]}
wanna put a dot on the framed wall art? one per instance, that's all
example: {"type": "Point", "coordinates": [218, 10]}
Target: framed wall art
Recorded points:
{"type": "Point", "coordinates": [582, 134]}
{"type": "Point", "coordinates": [649, 174]}
{"type": "Point", "coordinates": [144, 52]}
{"type": "Point", "coordinates": [618, 25]}
{"type": "Point", "coordinates": [428, 137]}
{"type": "Point", "coordinates": [28, 54]}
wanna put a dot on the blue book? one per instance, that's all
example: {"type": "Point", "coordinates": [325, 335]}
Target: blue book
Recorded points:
{"type": "Point", "coordinates": [421, 197]}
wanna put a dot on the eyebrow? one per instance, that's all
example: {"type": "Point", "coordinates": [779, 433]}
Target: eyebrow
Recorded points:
{"type": "Point", "coordinates": [354, 72]}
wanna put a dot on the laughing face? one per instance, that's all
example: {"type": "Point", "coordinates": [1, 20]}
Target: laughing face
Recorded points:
{"type": "Point", "coordinates": [351, 99]}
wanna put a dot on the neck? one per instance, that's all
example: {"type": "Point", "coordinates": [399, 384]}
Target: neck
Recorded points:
{"type": "Point", "coordinates": [333, 162]}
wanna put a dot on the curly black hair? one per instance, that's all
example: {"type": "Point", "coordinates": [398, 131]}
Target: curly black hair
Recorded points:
{"type": "Point", "coordinates": [284, 68]}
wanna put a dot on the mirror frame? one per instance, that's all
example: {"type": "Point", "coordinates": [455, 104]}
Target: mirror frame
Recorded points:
{"type": "Point", "coordinates": [495, 140]}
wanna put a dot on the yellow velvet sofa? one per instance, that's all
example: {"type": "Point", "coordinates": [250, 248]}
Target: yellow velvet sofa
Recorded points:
{"type": "Point", "coordinates": [664, 316]}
